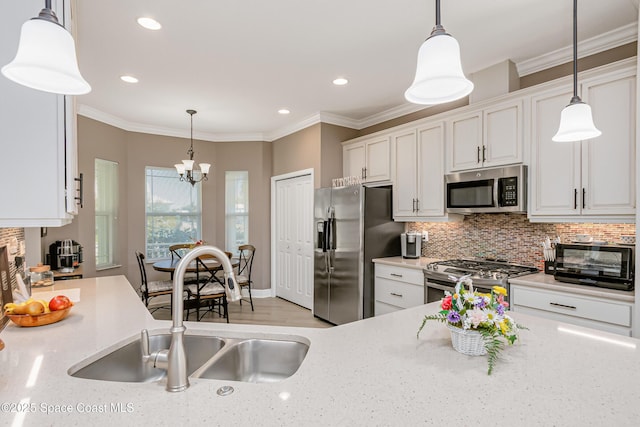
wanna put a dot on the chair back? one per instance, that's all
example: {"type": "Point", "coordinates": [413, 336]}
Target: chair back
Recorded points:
{"type": "Point", "coordinates": [143, 272]}
{"type": "Point", "coordinates": [245, 260]}
{"type": "Point", "coordinates": [179, 249]}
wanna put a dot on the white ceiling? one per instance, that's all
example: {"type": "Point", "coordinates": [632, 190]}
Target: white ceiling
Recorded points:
{"type": "Point", "coordinates": [238, 62]}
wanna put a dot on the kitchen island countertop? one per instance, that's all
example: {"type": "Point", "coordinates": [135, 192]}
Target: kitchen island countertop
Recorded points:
{"type": "Point", "coordinates": [398, 261]}
{"type": "Point", "coordinates": [371, 372]}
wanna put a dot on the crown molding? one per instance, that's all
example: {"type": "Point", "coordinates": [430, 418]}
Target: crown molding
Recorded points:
{"type": "Point", "coordinates": [390, 114]}
{"type": "Point", "coordinates": [597, 44]}
{"type": "Point", "coordinates": [101, 116]}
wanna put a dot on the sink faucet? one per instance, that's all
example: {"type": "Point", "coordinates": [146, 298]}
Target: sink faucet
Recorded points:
{"type": "Point", "coordinates": [174, 360]}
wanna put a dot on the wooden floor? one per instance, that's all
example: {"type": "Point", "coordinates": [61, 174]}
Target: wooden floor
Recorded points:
{"type": "Point", "coordinates": [267, 311]}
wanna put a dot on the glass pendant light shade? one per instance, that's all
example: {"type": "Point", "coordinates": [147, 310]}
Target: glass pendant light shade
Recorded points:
{"type": "Point", "coordinates": [180, 168]}
{"type": "Point", "coordinates": [46, 60]}
{"type": "Point", "coordinates": [188, 164]}
{"type": "Point", "coordinates": [439, 77]}
{"type": "Point", "coordinates": [576, 123]}
{"type": "Point", "coordinates": [204, 168]}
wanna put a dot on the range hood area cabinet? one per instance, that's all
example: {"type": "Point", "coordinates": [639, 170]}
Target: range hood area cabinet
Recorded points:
{"type": "Point", "coordinates": [592, 179]}
{"type": "Point", "coordinates": [492, 136]}
{"type": "Point", "coordinates": [37, 138]}
{"type": "Point", "coordinates": [367, 159]}
{"type": "Point", "coordinates": [417, 169]}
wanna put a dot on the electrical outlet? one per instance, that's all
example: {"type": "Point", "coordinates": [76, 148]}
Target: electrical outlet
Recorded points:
{"type": "Point", "coordinates": [425, 236]}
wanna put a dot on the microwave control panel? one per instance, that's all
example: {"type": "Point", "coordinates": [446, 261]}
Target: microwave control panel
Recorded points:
{"type": "Point", "coordinates": [508, 191]}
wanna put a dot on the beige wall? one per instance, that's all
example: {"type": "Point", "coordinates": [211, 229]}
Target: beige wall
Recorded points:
{"type": "Point", "coordinates": [134, 151]}
{"type": "Point", "coordinates": [298, 151]}
{"type": "Point", "coordinates": [331, 151]}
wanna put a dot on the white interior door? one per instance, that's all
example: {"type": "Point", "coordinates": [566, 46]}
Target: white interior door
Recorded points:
{"type": "Point", "coordinates": [293, 218]}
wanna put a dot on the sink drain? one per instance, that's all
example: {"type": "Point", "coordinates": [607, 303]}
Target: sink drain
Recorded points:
{"type": "Point", "coordinates": [225, 390]}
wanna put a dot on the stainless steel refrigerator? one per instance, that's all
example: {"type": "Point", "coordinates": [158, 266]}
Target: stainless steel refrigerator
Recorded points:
{"type": "Point", "coordinates": [353, 225]}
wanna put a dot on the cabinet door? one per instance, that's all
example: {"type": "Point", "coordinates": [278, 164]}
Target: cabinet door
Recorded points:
{"type": "Point", "coordinates": [377, 159]}
{"type": "Point", "coordinates": [555, 166]}
{"type": "Point", "coordinates": [405, 167]}
{"type": "Point", "coordinates": [503, 135]}
{"type": "Point", "coordinates": [353, 160]}
{"type": "Point", "coordinates": [431, 170]}
{"type": "Point", "coordinates": [465, 142]}
{"type": "Point", "coordinates": [608, 161]}
{"type": "Point", "coordinates": [32, 135]}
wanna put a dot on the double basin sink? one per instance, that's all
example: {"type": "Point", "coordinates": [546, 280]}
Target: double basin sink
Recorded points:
{"type": "Point", "coordinates": [256, 360]}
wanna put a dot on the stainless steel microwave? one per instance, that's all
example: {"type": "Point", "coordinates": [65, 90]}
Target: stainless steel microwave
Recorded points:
{"type": "Point", "coordinates": [492, 190]}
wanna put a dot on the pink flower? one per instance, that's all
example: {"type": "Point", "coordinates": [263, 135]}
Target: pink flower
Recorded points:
{"type": "Point", "coordinates": [446, 303]}
{"type": "Point", "coordinates": [502, 302]}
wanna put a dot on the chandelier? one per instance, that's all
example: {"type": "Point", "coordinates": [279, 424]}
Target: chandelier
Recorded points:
{"type": "Point", "coordinates": [185, 169]}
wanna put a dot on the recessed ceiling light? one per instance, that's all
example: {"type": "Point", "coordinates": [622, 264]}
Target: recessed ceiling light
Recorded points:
{"type": "Point", "coordinates": [340, 81]}
{"type": "Point", "coordinates": [283, 111]}
{"type": "Point", "coordinates": [129, 79]}
{"type": "Point", "coordinates": [149, 23]}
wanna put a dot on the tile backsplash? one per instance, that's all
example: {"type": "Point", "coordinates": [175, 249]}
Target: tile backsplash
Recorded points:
{"type": "Point", "coordinates": [506, 236]}
{"type": "Point", "coordinates": [8, 237]}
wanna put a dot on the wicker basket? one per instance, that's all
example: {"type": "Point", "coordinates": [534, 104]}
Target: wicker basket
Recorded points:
{"type": "Point", "coordinates": [467, 341]}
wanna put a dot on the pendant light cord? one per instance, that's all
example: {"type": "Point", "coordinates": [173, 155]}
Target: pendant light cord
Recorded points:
{"type": "Point", "coordinates": [437, 12]}
{"type": "Point", "coordinates": [575, 48]}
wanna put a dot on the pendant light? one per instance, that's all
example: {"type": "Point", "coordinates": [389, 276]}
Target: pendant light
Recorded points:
{"type": "Point", "coordinates": [185, 169]}
{"type": "Point", "coordinates": [439, 77]}
{"type": "Point", "coordinates": [576, 120]}
{"type": "Point", "coordinates": [46, 57]}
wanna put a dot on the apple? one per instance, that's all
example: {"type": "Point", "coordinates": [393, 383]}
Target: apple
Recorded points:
{"type": "Point", "coordinates": [59, 302]}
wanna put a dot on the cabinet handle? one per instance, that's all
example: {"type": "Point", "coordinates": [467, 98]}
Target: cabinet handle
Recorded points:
{"type": "Point", "coordinates": [80, 197]}
{"type": "Point", "coordinates": [584, 196]}
{"type": "Point", "coordinates": [555, 304]}
{"type": "Point", "coordinates": [417, 205]}
{"type": "Point", "coordinates": [413, 205]}
{"type": "Point", "coordinates": [575, 198]}
{"type": "Point", "coordinates": [484, 151]}
{"type": "Point", "coordinates": [396, 295]}
{"type": "Point", "coordinates": [396, 275]}
{"type": "Point", "coordinates": [478, 154]}
{"type": "Point", "coordinates": [363, 173]}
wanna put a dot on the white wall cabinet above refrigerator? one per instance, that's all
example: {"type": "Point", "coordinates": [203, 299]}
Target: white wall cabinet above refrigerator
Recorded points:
{"type": "Point", "coordinates": [367, 159]}
{"type": "Point", "coordinates": [37, 138]}
{"type": "Point", "coordinates": [586, 180]}
{"type": "Point", "coordinates": [489, 137]}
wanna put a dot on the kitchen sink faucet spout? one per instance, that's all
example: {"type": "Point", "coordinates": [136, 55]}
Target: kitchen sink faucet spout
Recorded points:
{"type": "Point", "coordinates": [175, 360]}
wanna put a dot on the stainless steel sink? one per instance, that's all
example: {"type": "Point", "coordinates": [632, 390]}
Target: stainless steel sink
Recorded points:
{"type": "Point", "coordinates": [125, 364]}
{"type": "Point", "coordinates": [255, 360]}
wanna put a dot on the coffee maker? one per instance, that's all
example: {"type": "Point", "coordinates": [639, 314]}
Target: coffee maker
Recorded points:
{"type": "Point", "coordinates": [411, 244]}
{"type": "Point", "coordinates": [64, 255]}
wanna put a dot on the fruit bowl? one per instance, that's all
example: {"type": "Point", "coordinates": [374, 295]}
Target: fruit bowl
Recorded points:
{"type": "Point", "coordinates": [27, 320]}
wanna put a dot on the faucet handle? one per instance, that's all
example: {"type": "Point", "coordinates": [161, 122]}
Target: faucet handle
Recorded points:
{"type": "Point", "coordinates": [144, 343]}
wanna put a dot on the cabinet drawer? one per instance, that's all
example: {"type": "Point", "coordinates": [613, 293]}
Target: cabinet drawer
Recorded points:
{"type": "Point", "coordinates": [571, 305]}
{"type": "Point", "coordinates": [409, 275]}
{"type": "Point", "coordinates": [400, 294]}
{"type": "Point", "coordinates": [383, 308]}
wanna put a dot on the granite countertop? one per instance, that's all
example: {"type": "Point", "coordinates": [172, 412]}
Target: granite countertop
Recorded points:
{"type": "Point", "coordinates": [398, 261]}
{"type": "Point", "coordinates": [370, 372]}
{"type": "Point", "coordinates": [546, 281]}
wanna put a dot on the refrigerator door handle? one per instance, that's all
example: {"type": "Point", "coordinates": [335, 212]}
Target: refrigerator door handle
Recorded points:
{"type": "Point", "coordinates": [325, 235]}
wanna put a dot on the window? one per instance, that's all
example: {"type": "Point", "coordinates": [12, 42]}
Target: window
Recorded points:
{"type": "Point", "coordinates": [106, 212]}
{"type": "Point", "coordinates": [173, 211]}
{"type": "Point", "coordinates": [237, 209]}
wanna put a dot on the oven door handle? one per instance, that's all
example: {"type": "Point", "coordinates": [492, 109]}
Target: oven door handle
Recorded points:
{"type": "Point", "coordinates": [442, 287]}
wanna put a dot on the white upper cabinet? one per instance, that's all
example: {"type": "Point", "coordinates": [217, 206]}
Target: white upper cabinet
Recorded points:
{"type": "Point", "coordinates": [367, 159]}
{"type": "Point", "coordinates": [37, 136]}
{"type": "Point", "coordinates": [418, 174]}
{"type": "Point", "coordinates": [593, 179]}
{"type": "Point", "coordinates": [489, 137]}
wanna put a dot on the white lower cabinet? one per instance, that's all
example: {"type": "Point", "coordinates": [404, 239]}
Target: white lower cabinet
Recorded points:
{"type": "Point", "coordinates": [397, 288]}
{"type": "Point", "coordinates": [592, 312]}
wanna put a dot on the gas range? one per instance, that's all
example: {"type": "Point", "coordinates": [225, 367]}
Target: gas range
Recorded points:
{"type": "Point", "coordinates": [482, 272]}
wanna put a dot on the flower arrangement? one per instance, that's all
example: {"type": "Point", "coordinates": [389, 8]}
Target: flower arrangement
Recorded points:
{"type": "Point", "coordinates": [197, 243]}
{"type": "Point", "coordinates": [470, 310]}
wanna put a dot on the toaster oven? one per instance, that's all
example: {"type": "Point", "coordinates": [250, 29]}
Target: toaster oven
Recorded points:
{"type": "Point", "coordinates": [605, 266]}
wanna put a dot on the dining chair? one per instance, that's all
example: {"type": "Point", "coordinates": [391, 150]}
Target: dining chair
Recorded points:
{"type": "Point", "coordinates": [209, 290]}
{"type": "Point", "coordinates": [245, 264]}
{"type": "Point", "coordinates": [156, 288]}
{"type": "Point", "coordinates": [177, 251]}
